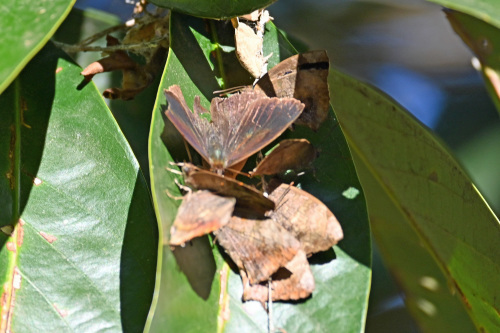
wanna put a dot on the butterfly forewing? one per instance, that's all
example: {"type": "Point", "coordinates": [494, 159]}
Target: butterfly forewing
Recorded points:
{"type": "Point", "coordinates": [246, 196]}
{"type": "Point", "coordinates": [263, 121]}
{"type": "Point", "coordinates": [240, 125]}
{"type": "Point", "coordinates": [192, 127]}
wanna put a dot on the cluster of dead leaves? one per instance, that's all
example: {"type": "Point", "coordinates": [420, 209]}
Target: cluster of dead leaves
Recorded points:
{"type": "Point", "coordinates": [146, 37]}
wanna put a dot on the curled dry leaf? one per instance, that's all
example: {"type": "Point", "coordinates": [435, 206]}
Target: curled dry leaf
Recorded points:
{"type": "Point", "coordinates": [240, 125]}
{"type": "Point", "coordinates": [248, 35]}
{"type": "Point", "coordinates": [136, 77]}
{"type": "Point", "coordinates": [304, 77]}
{"type": "Point", "coordinates": [118, 60]}
{"type": "Point", "coordinates": [307, 218]}
{"type": "Point", "coordinates": [200, 213]}
{"type": "Point", "coordinates": [259, 247]}
{"type": "Point", "coordinates": [293, 282]}
{"type": "Point", "coordinates": [289, 154]}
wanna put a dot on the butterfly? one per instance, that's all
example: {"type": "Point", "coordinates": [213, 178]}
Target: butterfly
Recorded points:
{"type": "Point", "coordinates": [200, 213]}
{"type": "Point", "coordinates": [240, 125]}
{"type": "Point", "coordinates": [246, 196]}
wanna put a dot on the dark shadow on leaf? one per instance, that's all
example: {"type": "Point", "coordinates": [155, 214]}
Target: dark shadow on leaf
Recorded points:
{"type": "Point", "coordinates": [134, 118]}
{"type": "Point", "coordinates": [138, 259]}
{"type": "Point", "coordinates": [322, 258]}
{"type": "Point", "coordinates": [204, 69]}
{"type": "Point", "coordinates": [197, 262]}
{"type": "Point", "coordinates": [39, 99]}
{"type": "Point", "coordinates": [34, 101]}
{"type": "Point", "coordinates": [195, 63]}
{"type": "Point", "coordinates": [227, 259]}
{"type": "Point", "coordinates": [83, 84]}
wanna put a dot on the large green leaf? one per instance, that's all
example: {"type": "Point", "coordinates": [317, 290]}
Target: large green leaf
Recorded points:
{"type": "Point", "coordinates": [485, 10]}
{"type": "Point", "coordinates": [216, 9]}
{"type": "Point", "coordinates": [427, 190]}
{"type": "Point", "coordinates": [191, 280]}
{"type": "Point", "coordinates": [26, 26]}
{"type": "Point", "coordinates": [427, 294]}
{"type": "Point", "coordinates": [483, 39]}
{"type": "Point", "coordinates": [83, 254]}
{"type": "Point", "coordinates": [133, 116]}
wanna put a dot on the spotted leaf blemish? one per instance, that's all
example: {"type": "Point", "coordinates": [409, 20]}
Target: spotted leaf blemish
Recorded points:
{"type": "Point", "coordinates": [49, 238]}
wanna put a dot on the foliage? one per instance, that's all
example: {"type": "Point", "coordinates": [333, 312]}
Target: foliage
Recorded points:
{"type": "Point", "coordinates": [83, 234]}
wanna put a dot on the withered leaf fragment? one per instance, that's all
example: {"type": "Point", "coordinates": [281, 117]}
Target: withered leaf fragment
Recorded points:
{"type": "Point", "coordinates": [257, 247]}
{"type": "Point", "coordinates": [290, 154]}
{"type": "Point", "coordinates": [307, 218]}
{"type": "Point", "coordinates": [294, 282]}
{"type": "Point", "coordinates": [248, 36]}
{"type": "Point", "coordinates": [305, 77]}
{"type": "Point", "coordinates": [246, 196]}
{"type": "Point", "coordinates": [200, 213]}
{"type": "Point", "coordinates": [149, 35]}
{"type": "Point", "coordinates": [241, 124]}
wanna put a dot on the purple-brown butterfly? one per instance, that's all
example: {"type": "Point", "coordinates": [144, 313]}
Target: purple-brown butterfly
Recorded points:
{"type": "Point", "coordinates": [240, 125]}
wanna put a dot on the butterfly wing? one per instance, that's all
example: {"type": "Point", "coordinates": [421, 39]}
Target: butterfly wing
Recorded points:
{"type": "Point", "coordinates": [192, 127]}
{"type": "Point", "coordinates": [246, 196]}
{"type": "Point", "coordinates": [200, 213]}
{"type": "Point", "coordinates": [254, 120]}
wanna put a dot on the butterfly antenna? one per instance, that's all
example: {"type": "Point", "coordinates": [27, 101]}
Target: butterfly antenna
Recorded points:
{"type": "Point", "coordinates": [233, 90]}
{"type": "Point", "coordinates": [238, 172]}
{"type": "Point", "coordinates": [280, 200]}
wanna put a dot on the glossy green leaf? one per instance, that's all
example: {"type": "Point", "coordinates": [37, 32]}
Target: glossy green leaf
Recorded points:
{"type": "Point", "coordinates": [192, 284]}
{"type": "Point", "coordinates": [83, 254]}
{"type": "Point", "coordinates": [133, 116]}
{"type": "Point", "coordinates": [216, 9]}
{"type": "Point", "coordinates": [485, 10]}
{"type": "Point", "coordinates": [483, 39]}
{"type": "Point", "coordinates": [427, 190]}
{"type": "Point", "coordinates": [427, 294]}
{"type": "Point", "coordinates": [26, 26]}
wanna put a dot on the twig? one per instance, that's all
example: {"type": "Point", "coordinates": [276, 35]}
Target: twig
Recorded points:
{"type": "Point", "coordinates": [127, 47]}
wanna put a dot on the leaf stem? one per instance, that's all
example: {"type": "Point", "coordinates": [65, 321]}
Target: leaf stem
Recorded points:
{"type": "Point", "coordinates": [217, 49]}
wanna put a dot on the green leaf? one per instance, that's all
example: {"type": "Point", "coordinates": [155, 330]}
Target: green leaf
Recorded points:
{"type": "Point", "coordinates": [83, 254]}
{"type": "Point", "coordinates": [483, 39]}
{"type": "Point", "coordinates": [215, 9]}
{"type": "Point", "coordinates": [133, 116]}
{"type": "Point", "coordinates": [342, 284]}
{"type": "Point", "coordinates": [486, 10]}
{"type": "Point", "coordinates": [405, 169]}
{"type": "Point", "coordinates": [26, 26]}
{"type": "Point", "coordinates": [427, 294]}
